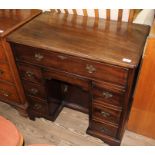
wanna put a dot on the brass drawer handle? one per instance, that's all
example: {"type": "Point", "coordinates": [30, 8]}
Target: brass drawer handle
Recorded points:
{"type": "Point", "coordinates": [62, 57]}
{"type": "Point", "coordinates": [1, 72]}
{"type": "Point", "coordinates": [107, 95]}
{"type": "Point", "coordinates": [105, 114]}
{"type": "Point", "coordinates": [65, 90]}
{"type": "Point", "coordinates": [102, 129]}
{"type": "Point", "coordinates": [29, 74]}
{"type": "Point", "coordinates": [38, 57]}
{"type": "Point", "coordinates": [33, 91]}
{"type": "Point", "coordinates": [37, 106]}
{"type": "Point", "coordinates": [90, 68]}
{"type": "Point", "coordinates": [4, 93]}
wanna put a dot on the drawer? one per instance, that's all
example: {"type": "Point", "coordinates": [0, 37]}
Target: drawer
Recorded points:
{"type": "Point", "coordinates": [38, 106]}
{"type": "Point", "coordinates": [5, 73]}
{"type": "Point", "coordinates": [104, 128]}
{"type": "Point", "coordinates": [72, 64]}
{"type": "Point", "coordinates": [2, 54]}
{"type": "Point", "coordinates": [34, 89]}
{"type": "Point", "coordinates": [8, 92]}
{"type": "Point", "coordinates": [108, 93]}
{"type": "Point", "coordinates": [105, 113]}
{"type": "Point", "coordinates": [68, 78]}
{"type": "Point", "coordinates": [30, 73]}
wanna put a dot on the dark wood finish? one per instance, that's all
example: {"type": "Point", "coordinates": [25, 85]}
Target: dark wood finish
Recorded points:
{"type": "Point", "coordinates": [69, 38]}
{"type": "Point", "coordinates": [104, 128]}
{"type": "Point", "coordinates": [29, 73]}
{"type": "Point", "coordinates": [79, 81]}
{"type": "Point", "coordinates": [36, 90]}
{"type": "Point", "coordinates": [81, 67]}
{"type": "Point", "coordinates": [109, 94]}
{"type": "Point", "coordinates": [11, 88]}
{"type": "Point", "coordinates": [103, 112]}
{"type": "Point", "coordinates": [84, 67]}
{"type": "Point", "coordinates": [38, 106]}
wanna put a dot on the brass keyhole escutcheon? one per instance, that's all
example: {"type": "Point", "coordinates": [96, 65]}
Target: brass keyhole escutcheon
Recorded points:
{"type": "Point", "coordinates": [33, 91]}
{"type": "Point", "coordinates": [90, 68]}
{"type": "Point", "coordinates": [105, 114]}
{"type": "Point", "coordinates": [107, 95]}
{"type": "Point", "coordinates": [38, 57]}
{"type": "Point", "coordinates": [29, 74]}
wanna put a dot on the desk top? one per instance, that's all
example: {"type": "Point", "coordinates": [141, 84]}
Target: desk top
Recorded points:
{"type": "Point", "coordinates": [13, 18]}
{"type": "Point", "coordinates": [117, 43]}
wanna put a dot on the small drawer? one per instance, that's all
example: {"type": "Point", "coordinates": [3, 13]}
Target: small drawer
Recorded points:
{"type": "Point", "coordinates": [38, 106]}
{"type": "Point", "coordinates": [30, 73]}
{"type": "Point", "coordinates": [72, 64]}
{"type": "Point", "coordinates": [68, 78]}
{"type": "Point", "coordinates": [2, 54]}
{"type": "Point", "coordinates": [108, 93]}
{"type": "Point", "coordinates": [104, 113]}
{"type": "Point", "coordinates": [5, 73]}
{"type": "Point", "coordinates": [104, 128]}
{"type": "Point", "coordinates": [8, 92]}
{"type": "Point", "coordinates": [34, 89]}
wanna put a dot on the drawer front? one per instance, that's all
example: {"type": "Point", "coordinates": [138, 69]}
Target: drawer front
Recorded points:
{"type": "Point", "coordinates": [8, 92]}
{"type": "Point", "coordinates": [108, 93]}
{"type": "Point", "coordinates": [34, 90]}
{"type": "Point", "coordinates": [30, 73]}
{"type": "Point", "coordinates": [65, 77]}
{"type": "Point", "coordinates": [38, 106]}
{"type": "Point", "coordinates": [104, 128]}
{"type": "Point", "coordinates": [2, 54]}
{"type": "Point", "coordinates": [104, 113]}
{"type": "Point", "coordinates": [72, 64]}
{"type": "Point", "coordinates": [5, 73]}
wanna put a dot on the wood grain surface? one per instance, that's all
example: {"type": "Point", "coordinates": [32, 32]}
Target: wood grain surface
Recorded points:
{"type": "Point", "coordinates": [110, 42]}
{"type": "Point", "coordinates": [10, 19]}
{"type": "Point", "coordinates": [11, 89]}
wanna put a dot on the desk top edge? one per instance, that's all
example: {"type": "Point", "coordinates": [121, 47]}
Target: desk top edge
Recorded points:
{"type": "Point", "coordinates": [15, 38]}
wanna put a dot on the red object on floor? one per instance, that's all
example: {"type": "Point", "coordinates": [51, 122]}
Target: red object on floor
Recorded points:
{"type": "Point", "coordinates": [9, 134]}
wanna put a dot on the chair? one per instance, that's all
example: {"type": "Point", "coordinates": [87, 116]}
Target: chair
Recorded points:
{"type": "Point", "coordinates": [9, 134]}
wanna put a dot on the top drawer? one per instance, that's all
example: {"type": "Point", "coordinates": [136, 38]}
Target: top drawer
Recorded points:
{"type": "Point", "coordinates": [72, 64]}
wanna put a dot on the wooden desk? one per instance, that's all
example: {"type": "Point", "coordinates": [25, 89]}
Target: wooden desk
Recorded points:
{"type": "Point", "coordinates": [67, 60]}
{"type": "Point", "coordinates": [11, 90]}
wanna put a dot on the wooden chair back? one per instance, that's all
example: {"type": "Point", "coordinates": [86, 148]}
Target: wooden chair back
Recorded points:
{"type": "Point", "coordinates": [109, 14]}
